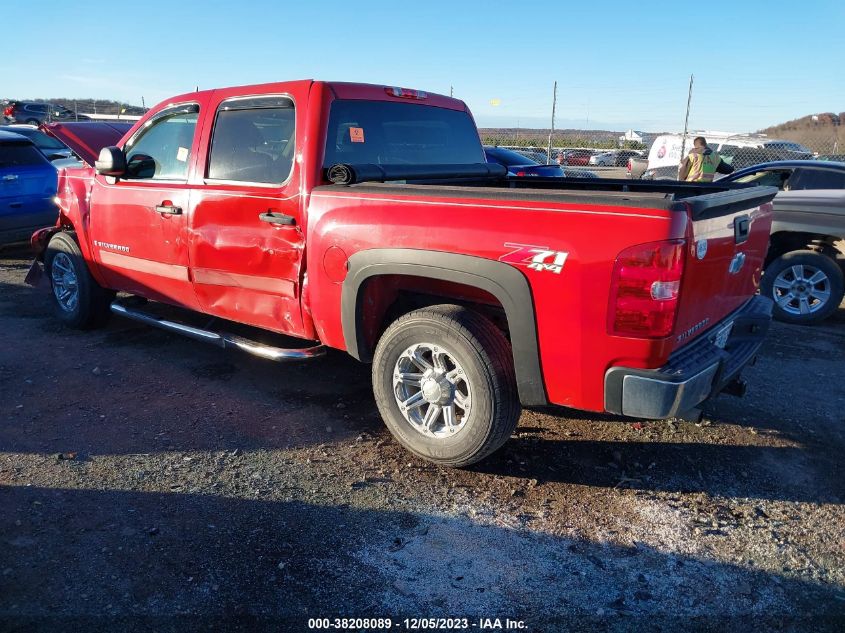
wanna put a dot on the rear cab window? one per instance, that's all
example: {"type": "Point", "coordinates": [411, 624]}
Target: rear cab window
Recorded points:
{"type": "Point", "coordinates": [387, 133]}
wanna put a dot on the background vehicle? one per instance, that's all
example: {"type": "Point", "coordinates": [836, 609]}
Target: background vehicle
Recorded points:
{"type": "Point", "coordinates": [576, 157]}
{"type": "Point", "coordinates": [623, 155]}
{"type": "Point", "coordinates": [803, 269]}
{"type": "Point", "coordinates": [518, 164]}
{"type": "Point", "coordinates": [604, 159]}
{"type": "Point", "coordinates": [51, 147]}
{"type": "Point", "coordinates": [27, 188]}
{"type": "Point", "coordinates": [36, 113]}
{"type": "Point", "coordinates": [637, 166]}
{"type": "Point", "coordinates": [365, 218]}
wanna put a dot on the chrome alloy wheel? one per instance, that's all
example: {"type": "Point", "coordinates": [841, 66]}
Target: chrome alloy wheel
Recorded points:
{"type": "Point", "coordinates": [65, 283]}
{"type": "Point", "coordinates": [801, 289]}
{"type": "Point", "coordinates": [432, 390]}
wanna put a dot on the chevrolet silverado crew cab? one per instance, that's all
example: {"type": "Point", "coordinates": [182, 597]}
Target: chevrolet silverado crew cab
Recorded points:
{"type": "Point", "coordinates": [364, 218]}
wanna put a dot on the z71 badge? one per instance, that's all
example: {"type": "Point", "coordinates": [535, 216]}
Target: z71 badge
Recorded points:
{"type": "Point", "coordinates": [535, 257]}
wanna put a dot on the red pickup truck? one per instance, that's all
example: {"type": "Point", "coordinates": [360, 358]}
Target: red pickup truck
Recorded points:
{"type": "Point", "coordinates": [364, 218]}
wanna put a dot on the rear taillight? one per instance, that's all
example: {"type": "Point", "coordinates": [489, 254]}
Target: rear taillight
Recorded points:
{"type": "Point", "coordinates": [9, 111]}
{"type": "Point", "coordinates": [644, 290]}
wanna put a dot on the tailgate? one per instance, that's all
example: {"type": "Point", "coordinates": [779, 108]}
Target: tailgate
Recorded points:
{"type": "Point", "coordinates": [728, 239]}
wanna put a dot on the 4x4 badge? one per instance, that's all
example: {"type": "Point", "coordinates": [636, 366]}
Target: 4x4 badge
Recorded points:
{"type": "Point", "coordinates": [535, 257]}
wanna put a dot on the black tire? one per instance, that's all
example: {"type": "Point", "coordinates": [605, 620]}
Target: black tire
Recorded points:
{"type": "Point", "coordinates": [34, 122]}
{"type": "Point", "coordinates": [484, 354]}
{"type": "Point", "coordinates": [789, 311]}
{"type": "Point", "coordinates": [91, 308]}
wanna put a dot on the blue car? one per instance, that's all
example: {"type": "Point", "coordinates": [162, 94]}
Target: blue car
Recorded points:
{"type": "Point", "coordinates": [27, 188]}
{"type": "Point", "coordinates": [521, 165]}
{"type": "Point", "coordinates": [52, 148]}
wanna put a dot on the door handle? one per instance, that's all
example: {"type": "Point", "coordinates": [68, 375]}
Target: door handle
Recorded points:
{"type": "Point", "coordinates": [168, 209]}
{"type": "Point", "coordinates": [741, 227]}
{"type": "Point", "coordinates": [274, 217]}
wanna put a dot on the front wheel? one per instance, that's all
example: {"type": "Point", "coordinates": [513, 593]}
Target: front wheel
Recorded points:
{"type": "Point", "coordinates": [806, 286]}
{"type": "Point", "coordinates": [78, 300]}
{"type": "Point", "coordinates": [444, 383]}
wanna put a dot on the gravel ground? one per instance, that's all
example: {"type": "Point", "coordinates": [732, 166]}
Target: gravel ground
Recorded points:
{"type": "Point", "coordinates": [148, 482]}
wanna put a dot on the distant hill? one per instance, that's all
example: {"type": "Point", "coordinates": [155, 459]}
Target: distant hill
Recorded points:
{"type": "Point", "coordinates": [823, 133]}
{"type": "Point", "coordinates": [528, 137]}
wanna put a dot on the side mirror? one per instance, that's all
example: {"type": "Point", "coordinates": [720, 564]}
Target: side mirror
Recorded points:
{"type": "Point", "coordinates": [111, 162]}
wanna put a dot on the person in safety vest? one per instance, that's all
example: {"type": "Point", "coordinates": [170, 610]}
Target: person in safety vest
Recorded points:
{"type": "Point", "coordinates": [702, 163]}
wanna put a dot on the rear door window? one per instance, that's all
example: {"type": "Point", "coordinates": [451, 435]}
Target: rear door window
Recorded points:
{"type": "Point", "coordinates": [767, 177]}
{"type": "Point", "coordinates": [253, 141]}
{"type": "Point", "coordinates": [19, 155]}
{"type": "Point", "coordinates": [816, 179]}
{"type": "Point", "coordinates": [387, 133]}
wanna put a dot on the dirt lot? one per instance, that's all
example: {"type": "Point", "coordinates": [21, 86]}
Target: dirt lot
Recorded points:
{"type": "Point", "coordinates": [148, 482]}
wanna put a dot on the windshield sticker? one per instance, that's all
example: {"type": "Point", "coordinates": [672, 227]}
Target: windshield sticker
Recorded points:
{"type": "Point", "coordinates": [356, 134]}
{"type": "Point", "coordinates": [538, 258]}
{"type": "Point", "coordinates": [182, 154]}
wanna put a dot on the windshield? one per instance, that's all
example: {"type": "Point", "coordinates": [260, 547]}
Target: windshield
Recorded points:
{"type": "Point", "coordinates": [41, 140]}
{"type": "Point", "coordinates": [386, 133]}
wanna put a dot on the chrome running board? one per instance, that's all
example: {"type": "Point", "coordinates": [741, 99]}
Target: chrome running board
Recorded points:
{"type": "Point", "coordinates": [222, 339]}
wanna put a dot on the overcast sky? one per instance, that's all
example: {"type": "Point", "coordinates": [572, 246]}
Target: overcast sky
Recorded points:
{"type": "Point", "coordinates": [618, 64]}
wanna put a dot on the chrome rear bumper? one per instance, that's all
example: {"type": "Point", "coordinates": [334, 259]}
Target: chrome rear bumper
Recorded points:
{"type": "Point", "coordinates": [694, 373]}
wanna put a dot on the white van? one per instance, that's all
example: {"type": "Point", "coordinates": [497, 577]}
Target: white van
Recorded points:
{"type": "Point", "coordinates": [665, 154]}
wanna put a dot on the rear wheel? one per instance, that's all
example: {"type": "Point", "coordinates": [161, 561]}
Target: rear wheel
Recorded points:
{"type": "Point", "coordinates": [34, 122]}
{"type": "Point", "coordinates": [806, 286]}
{"type": "Point", "coordinates": [78, 300]}
{"type": "Point", "coordinates": [444, 383]}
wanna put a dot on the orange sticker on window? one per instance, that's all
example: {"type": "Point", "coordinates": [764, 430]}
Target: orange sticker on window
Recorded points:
{"type": "Point", "coordinates": [356, 134]}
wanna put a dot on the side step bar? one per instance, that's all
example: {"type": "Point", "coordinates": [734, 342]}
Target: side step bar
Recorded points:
{"type": "Point", "coordinates": [223, 340]}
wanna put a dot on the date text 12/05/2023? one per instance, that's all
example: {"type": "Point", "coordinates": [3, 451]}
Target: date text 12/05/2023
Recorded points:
{"type": "Point", "coordinates": [417, 624]}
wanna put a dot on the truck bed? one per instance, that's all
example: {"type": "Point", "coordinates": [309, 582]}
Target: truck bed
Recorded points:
{"type": "Point", "coordinates": [702, 199]}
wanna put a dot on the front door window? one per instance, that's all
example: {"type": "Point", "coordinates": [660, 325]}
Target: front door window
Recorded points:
{"type": "Point", "coordinates": [162, 149]}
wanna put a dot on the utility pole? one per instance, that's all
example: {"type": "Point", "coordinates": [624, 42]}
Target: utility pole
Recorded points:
{"type": "Point", "coordinates": [451, 90]}
{"type": "Point", "coordinates": [552, 131]}
{"type": "Point", "coordinates": [686, 124]}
